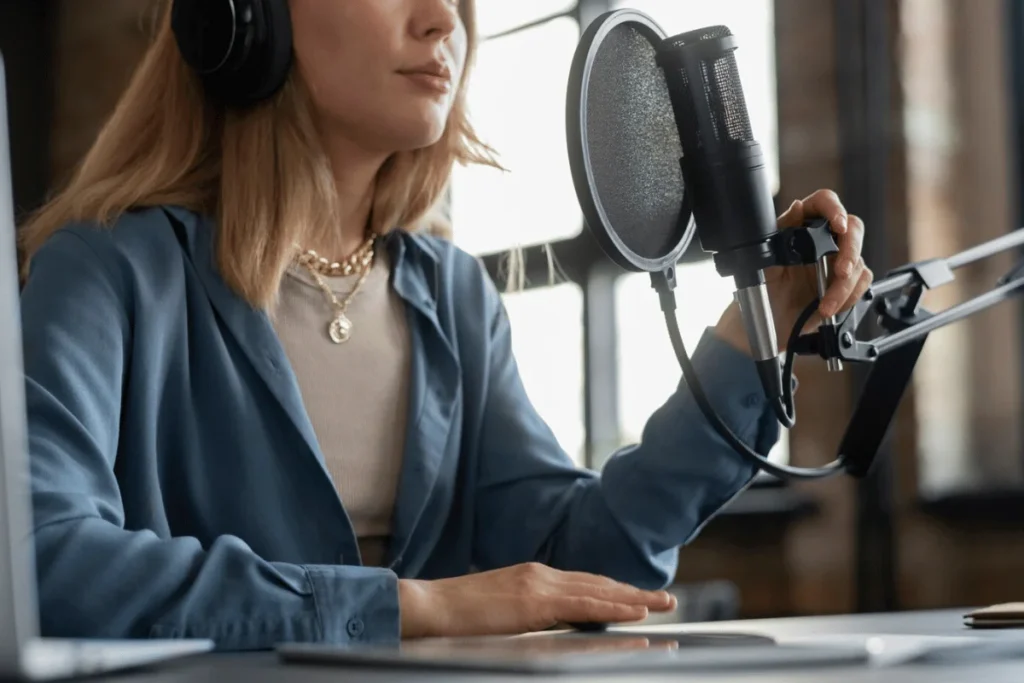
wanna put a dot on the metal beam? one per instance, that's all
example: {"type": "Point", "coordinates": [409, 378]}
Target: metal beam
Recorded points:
{"type": "Point", "coordinates": [1014, 10]}
{"type": "Point", "coordinates": [864, 59]}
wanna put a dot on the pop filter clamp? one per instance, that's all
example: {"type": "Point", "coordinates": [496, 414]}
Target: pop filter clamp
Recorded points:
{"type": "Point", "coordinates": [627, 166]}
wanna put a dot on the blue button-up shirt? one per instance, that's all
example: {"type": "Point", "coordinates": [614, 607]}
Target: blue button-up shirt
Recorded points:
{"type": "Point", "coordinates": [179, 489]}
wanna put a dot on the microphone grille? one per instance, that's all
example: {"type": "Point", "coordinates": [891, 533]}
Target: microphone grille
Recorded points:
{"type": "Point", "coordinates": [697, 35]}
{"type": "Point", "coordinates": [721, 87]}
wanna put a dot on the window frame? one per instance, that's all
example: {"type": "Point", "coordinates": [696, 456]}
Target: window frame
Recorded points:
{"type": "Point", "coordinates": [1015, 41]}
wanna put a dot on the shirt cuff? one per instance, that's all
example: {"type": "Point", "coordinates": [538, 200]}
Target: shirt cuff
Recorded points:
{"type": "Point", "coordinates": [356, 604]}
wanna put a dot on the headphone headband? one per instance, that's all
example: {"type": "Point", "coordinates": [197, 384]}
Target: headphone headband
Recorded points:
{"type": "Point", "coordinates": [241, 49]}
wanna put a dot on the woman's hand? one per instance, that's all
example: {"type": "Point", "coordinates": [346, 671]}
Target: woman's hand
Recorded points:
{"type": "Point", "coordinates": [791, 289]}
{"type": "Point", "coordinates": [520, 599]}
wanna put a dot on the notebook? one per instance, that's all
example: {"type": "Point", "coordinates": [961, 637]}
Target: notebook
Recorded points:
{"type": "Point", "coordinates": [1004, 615]}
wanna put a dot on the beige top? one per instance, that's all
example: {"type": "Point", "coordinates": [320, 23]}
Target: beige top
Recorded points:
{"type": "Point", "coordinates": [356, 393]}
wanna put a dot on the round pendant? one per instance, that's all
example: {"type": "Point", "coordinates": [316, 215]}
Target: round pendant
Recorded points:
{"type": "Point", "coordinates": [340, 329]}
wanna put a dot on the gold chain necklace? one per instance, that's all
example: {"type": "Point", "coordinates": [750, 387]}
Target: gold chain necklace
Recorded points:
{"type": "Point", "coordinates": [357, 262]}
{"type": "Point", "coordinates": [339, 330]}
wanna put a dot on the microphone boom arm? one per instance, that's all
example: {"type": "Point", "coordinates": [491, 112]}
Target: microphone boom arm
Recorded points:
{"type": "Point", "coordinates": [903, 319]}
{"type": "Point", "coordinates": [896, 299]}
{"type": "Point", "coordinates": [893, 355]}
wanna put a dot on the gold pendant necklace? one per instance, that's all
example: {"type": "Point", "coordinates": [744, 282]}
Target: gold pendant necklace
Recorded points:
{"type": "Point", "coordinates": [339, 329]}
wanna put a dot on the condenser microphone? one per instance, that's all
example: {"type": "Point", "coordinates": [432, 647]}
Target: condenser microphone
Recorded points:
{"type": "Point", "coordinates": [724, 169]}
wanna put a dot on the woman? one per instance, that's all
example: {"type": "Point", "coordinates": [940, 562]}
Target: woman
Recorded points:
{"type": "Point", "coordinates": [232, 439]}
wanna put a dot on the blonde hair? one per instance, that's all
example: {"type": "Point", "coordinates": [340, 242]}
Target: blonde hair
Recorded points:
{"type": "Point", "coordinates": [260, 172]}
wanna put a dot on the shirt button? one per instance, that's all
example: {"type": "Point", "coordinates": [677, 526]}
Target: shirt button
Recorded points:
{"type": "Point", "coordinates": [355, 627]}
{"type": "Point", "coordinates": [751, 401]}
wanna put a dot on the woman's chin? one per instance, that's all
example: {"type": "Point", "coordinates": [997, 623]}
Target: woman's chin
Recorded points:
{"type": "Point", "coordinates": [419, 137]}
{"type": "Point", "coordinates": [416, 128]}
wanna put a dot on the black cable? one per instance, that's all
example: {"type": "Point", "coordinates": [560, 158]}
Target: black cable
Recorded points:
{"type": "Point", "coordinates": [785, 409]}
{"type": "Point", "coordinates": [668, 307]}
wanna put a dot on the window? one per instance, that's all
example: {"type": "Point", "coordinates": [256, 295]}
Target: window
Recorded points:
{"type": "Point", "coordinates": [547, 340]}
{"type": "Point", "coordinates": [648, 372]}
{"type": "Point", "coordinates": [517, 104]}
{"type": "Point", "coordinates": [495, 16]}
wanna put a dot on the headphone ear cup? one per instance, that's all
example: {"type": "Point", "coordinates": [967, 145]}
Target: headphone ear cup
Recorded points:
{"type": "Point", "coordinates": [273, 55]}
{"type": "Point", "coordinates": [241, 49]}
{"type": "Point", "coordinates": [205, 31]}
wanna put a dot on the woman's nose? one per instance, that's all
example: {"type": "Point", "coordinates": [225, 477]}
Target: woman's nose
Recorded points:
{"type": "Point", "coordinates": [435, 19]}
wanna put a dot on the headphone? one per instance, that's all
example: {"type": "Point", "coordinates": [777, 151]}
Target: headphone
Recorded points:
{"type": "Point", "coordinates": [241, 49]}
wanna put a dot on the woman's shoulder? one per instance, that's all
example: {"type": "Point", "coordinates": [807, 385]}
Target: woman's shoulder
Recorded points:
{"type": "Point", "coordinates": [142, 233]}
{"type": "Point", "coordinates": [138, 252]}
{"type": "Point", "coordinates": [144, 241]}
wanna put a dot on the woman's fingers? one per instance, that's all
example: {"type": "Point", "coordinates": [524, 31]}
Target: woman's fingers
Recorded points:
{"type": "Point", "coordinates": [583, 609]}
{"type": "Point", "coordinates": [612, 590]}
{"type": "Point", "coordinates": [840, 290]}
{"type": "Point", "coordinates": [863, 284]}
{"type": "Point", "coordinates": [850, 246]}
{"type": "Point", "coordinates": [847, 277]}
{"type": "Point", "coordinates": [849, 265]}
{"type": "Point", "coordinates": [552, 596]}
{"type": "Point", "coordinates": [659, 601]}
{"type": "Point", "coordinates": [793, 217]}
{"type": "Point", "coordinates": [826, 204]}
{"type": "Point", "coordinates": [584, 577]}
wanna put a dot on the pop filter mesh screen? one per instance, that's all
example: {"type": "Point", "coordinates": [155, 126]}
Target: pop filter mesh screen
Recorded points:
{"type": "Point", "coordinates": [633, 143]}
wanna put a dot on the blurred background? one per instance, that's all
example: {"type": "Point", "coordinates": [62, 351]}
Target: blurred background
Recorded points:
{"type": "Point", "coordinates": [911, 109]}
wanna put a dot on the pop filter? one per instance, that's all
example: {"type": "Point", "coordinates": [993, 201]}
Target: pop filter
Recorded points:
{"type": "Point", "coordinates": [624, 145]}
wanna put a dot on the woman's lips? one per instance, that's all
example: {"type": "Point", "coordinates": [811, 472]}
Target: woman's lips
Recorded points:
{"type": "Point", "coordinates": [430, 81]}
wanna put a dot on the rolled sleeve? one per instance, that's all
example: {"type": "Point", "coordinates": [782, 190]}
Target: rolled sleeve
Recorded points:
{"type": "Point", "coordinates": [359, 604]}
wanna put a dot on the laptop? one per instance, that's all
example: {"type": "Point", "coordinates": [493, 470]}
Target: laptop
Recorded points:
{"type": "Point", "coordinates": [23, 654]}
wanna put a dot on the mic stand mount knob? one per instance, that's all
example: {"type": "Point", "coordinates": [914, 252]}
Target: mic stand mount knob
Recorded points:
{"type": "Point", "coordinates": [812, 243]}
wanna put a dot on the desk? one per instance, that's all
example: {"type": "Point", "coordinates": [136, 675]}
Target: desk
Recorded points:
{"type": "Point", "coordinates": [265, 668]}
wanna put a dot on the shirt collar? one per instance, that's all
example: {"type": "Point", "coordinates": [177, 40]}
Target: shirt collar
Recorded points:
{"type": "Point", "coordinates": [416, 264]}
{"type": "Point", "coordinates": [416, 261]}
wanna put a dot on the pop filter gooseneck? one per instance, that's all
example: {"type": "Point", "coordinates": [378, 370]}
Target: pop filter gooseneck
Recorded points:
{"type": "Point", "coordinates": [625, 147]}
